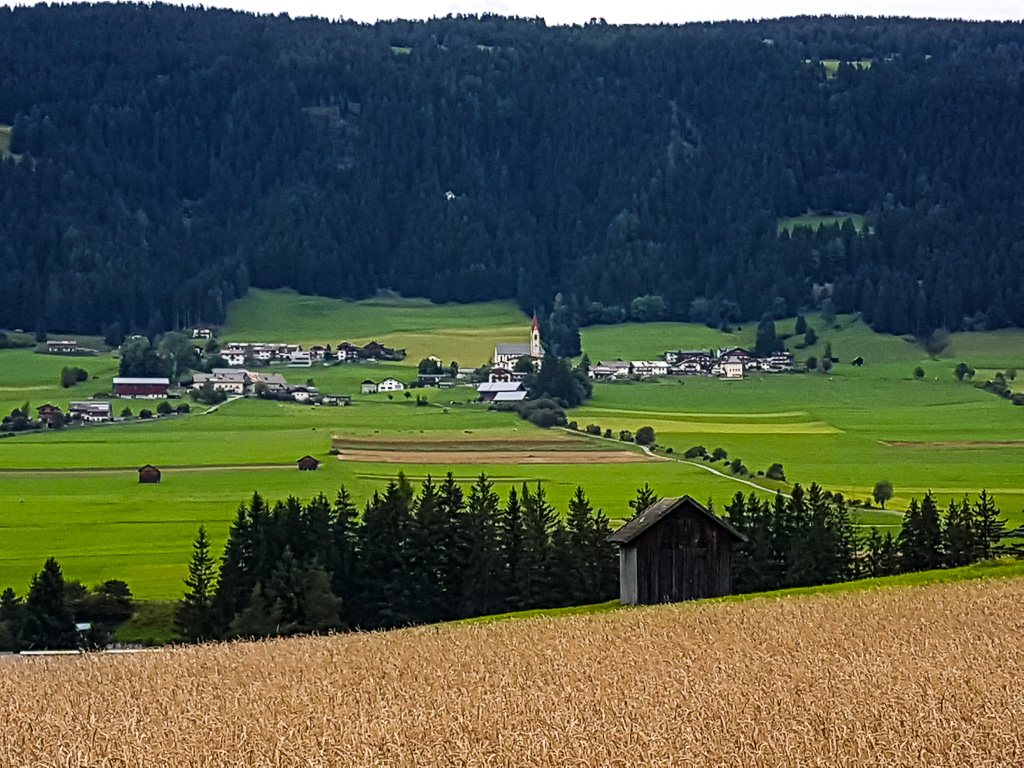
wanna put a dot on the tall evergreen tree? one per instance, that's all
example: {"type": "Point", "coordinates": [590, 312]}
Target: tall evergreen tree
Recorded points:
{"type": "Point", "coordinates": [989, 528]}
{"type": "Point", "coordinates": [49, 622]}
{"type": "Point", "coordinates": [195, 616]}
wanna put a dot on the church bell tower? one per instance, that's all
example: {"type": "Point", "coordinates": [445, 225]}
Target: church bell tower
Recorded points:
{"type": "Point", "coordinates": [536, 350]}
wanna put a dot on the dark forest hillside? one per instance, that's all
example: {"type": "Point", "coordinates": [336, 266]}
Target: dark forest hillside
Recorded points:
{"type": "Point", "coordinates": [167, 159]}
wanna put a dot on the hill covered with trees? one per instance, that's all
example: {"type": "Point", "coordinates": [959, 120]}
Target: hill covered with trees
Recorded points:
{"type": "Point", "coordinates": [163, 160]}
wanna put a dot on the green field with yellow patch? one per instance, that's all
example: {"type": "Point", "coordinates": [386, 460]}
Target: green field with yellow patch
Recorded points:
{"type": "Point", "coordinates": [74, 493]}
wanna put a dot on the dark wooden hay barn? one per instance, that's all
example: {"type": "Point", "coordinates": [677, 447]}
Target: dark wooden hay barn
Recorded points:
{"type": "Point", "coordinates": [308, 463]}
{"type": "Point", "coordinates": [674, 550]}
{"type": "Point", "coordinates": [149, 474]}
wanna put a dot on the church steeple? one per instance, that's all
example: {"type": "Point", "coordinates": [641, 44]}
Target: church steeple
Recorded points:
{"type": "Point", "coordinates": [536, 350]}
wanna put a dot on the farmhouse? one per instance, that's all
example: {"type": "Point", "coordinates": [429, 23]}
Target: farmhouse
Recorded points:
{"type": "Point", "coordinates": [674, 550]}
{"type": "Point", "coordinates": [142, 388]}
{"type": "Point", "coordinates": [50, 415]}
{"type": "Point", "coordinates": [336, 400]}
{"type": "Point", "coordinates": [732, 369]}
{"type": "Point", "coordinates": [89, 410]}
{"type": "Point", "coordinates": [236, 382]}
{"type": "Point", "coordinates": [377, 351]}
{"type": "Point", "coordinates": [65, 347]}
{"type": "Point", "coordinates": [390, 385]}
{"type": "Point", "coordinates": [506, 354]}
{"type": "Point", "coordinates": [149, 474]}
{"type": "Point", "coordinates": [202, 332]}
{"type": "Point", "coordinates": [501, 391]}
{"type": "Point", "coordinates": [606, 370]}
{"type": "Point", "coordinates": [308, 464]}
{"type": "Point", "coordinates": [304, 394]}
{"type": "Point", "coordinates": [368, 387]}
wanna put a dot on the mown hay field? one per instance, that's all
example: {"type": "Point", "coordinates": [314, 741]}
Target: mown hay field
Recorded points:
{"type": "Point", "coordinates": [929, 676]}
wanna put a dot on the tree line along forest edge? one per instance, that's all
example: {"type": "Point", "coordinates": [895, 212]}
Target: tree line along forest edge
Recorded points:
{"type": "Point", "coordinates": [442, 552]}
{"type": "Point", "coordinates": [163, 160]}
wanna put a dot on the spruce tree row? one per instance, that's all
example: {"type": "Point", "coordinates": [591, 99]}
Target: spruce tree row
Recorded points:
{"type": "Point", "coordinates": [808, 539]}
{"type": "Point", "coordinates": [436, 554]}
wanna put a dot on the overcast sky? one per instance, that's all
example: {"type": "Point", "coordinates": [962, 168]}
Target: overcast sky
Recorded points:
{"type": "Point", "coordinates": [628, 11]}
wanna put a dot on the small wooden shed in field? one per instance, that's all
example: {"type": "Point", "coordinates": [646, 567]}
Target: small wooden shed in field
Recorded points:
{"type": "Point", "coordinates": [674, 550]}
{"type": "Point", "coordinates": [308, 463]}
{"type": "Point", "coordinates": [149, 474]}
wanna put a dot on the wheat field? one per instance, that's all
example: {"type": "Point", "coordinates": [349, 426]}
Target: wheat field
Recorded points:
{"type": "Point", "coordinates": [927, 676]}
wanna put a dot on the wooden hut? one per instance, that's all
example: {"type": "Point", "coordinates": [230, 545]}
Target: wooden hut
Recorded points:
{"type": "Point", "coordinates": [149, 474]}
{"type": "Point", "coordinates": [674, 550]}
{"type": "Point", "coordinates": [308, 463]}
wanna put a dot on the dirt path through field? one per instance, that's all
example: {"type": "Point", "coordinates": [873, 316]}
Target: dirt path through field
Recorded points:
{"type": "Point", "coordinates": [497, 457]}
{"type": "Point", "coordinates": [63, 471]}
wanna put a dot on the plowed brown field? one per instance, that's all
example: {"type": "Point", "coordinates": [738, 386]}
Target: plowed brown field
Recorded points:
{"type": "Point", "coordinates": [455, 458]}
{"type": "Point", "coordinates": [926, 676]}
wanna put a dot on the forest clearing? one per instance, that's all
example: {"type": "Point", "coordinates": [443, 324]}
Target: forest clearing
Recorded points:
{"type": "Point", "coordinates": [929, 676]}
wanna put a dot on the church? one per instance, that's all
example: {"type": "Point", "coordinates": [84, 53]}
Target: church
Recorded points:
{"type": "Point", "coordinates": [506, 354]}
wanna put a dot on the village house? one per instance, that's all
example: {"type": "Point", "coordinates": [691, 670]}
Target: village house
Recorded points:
{"type": "Point", "coordinates": [336, 400]}
{"type": "Point", "coordinates": [500, 374]}
{"type": "Point", "coordinates": [230, 380]}
{"type": "Point", "coordinates": [465, 373]}
{"type": "Point", "coordinates": [347, 352]}
{"type": "Point", "coordinates": [606, 370]}
{"type": "Point", "coordinates": [63, 347]}
{"type": "Point", "coordinates": [317, 353]}
{"type": "Point", "coordinates": [368, 387]}
{"type": "Point", "coordinates": [90, 410]}
{"type": "Point", "coordinates": [377, 351]}
{"type": "Point", "coordinates": [390, 385]}
{"type": "Point", "coordinates": [141, 387]}
{"type": "Point", "coordinates": [202, 332]}
{"type": "Point", "coordinates": [506, 354]}
{"type": "Point", "coordinates": [303, 394]}
{"type": "Point", "coordinates": [732, 369]}
{"type": "Point", "coordinates": [674, 550]}
{"type": "Point", "coordinates": [50, 415]}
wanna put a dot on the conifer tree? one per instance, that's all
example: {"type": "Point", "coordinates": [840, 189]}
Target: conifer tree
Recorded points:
{"type": "Point", "coordinates": [988, 527]}
{"type": "Point", "coordinates": [195, 616]}
{"type": "Point", "coordinates": [583, 567]}
{"type": "Point", "coordinates": [481, 589]}
{"type": "Point", "coordinates": [960, 542]}
{"type": "Point", "coordinates": [510, 544]}
{"type": "Point", "coordinates": [49, 623]}
{"type": "Point", "coordinates": [920, 539]}
{"type": "Point", "coordinates": [538, 526]}
{"type": "Point", "coordinates": [645, 497]}
{"type": "Point", "coordinates": [428, 556]}
{"type": "Point", "coordinates": [12, 618]}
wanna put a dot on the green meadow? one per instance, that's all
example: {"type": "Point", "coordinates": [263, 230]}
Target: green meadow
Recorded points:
{"type": "Point", "coordinates": [74, 493]}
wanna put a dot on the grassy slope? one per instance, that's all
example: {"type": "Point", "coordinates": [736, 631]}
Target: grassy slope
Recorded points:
{"type": "Point", "coordinates": [824, 428]}
{"type": "Point", "coordinates": [995, 569]}
{"type": "Point", "coordinates": [465, 333]}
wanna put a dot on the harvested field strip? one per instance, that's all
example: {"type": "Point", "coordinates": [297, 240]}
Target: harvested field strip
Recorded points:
{"type": "Point", "coordinates": [498, 457]}
{"type": "Point", "coordinates": [925, 444]}
{"type": "Point", "coordinates": [414, 477]}
{"type": "Point", "coordinates": [616, 422]}
{"type": "Point", "coordinates": [463, 443]}
{"type": "Point", "coordinates": [928, 676]}
{"type": "Point", "coordinates": [704, 414]}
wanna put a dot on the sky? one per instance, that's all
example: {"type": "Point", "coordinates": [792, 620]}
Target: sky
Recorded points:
{"type": "Point", "coordinates": [627, 11]}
